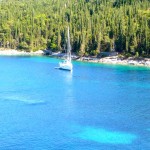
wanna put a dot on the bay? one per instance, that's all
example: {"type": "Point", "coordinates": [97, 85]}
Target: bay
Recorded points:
{"type": "Point", "coordinates": [97, 106]}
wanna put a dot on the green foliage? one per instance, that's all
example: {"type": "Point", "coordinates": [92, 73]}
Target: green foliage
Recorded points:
{"type": "Point", "coordinates": [23, 46]}
{"type": "Point", "coordinates": [53, 46]}
{"type": "Point", "coordinates": [95, 26]}
{"type": "Point", "coordinates": [136, 54]}
{"type": "Point", "coordinates": [94, 52]}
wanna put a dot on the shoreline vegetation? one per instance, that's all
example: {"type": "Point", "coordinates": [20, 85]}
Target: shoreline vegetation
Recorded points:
{"type": "Point", "coordinates": [118, 59]}
{"type": "Point", "coordinates": [95, 26]}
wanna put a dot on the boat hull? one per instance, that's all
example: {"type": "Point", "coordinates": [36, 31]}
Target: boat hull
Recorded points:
{"type": "Point", "coordinates": [66, 66]}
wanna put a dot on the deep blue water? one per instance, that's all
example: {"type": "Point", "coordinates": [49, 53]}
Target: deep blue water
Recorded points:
{"type": "Point", "coordinates": [96, 107]}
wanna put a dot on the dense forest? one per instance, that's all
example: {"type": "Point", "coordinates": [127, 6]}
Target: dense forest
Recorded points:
{"type": "Point", "coordinates": [95, 25]}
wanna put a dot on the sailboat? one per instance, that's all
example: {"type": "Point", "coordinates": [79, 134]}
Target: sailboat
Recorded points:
{"type": "Point", "coordinates": [66, 64]}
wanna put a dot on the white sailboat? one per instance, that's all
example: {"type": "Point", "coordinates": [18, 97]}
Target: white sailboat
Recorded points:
{"type": "Point", "coordinates": [66, 64]}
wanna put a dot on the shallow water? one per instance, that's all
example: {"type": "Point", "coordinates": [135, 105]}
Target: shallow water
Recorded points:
{"type": "Point", "coordinates": [96, 107]}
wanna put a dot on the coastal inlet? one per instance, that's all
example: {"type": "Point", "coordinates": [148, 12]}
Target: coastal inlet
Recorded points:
{"type": "Point", "coordinates": [96, 106]}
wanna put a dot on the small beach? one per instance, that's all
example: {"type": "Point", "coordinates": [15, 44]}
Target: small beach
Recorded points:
{"type": "Point", "coordinates": [14, 52]}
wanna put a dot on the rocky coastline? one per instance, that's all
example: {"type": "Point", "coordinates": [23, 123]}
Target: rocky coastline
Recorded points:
{"type": "Point", "coordinates": [117, 60]}
{"type": "Point", "coordinates": [120, 60]}
{"type": "Point", "coordinates": [106, 60]}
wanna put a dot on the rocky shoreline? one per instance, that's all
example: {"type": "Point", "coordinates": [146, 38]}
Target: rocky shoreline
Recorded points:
{"type": "Point", "coordinates": [109, 60]}
{"type": "Point", "coordinates": [105, 60]}
{"type": "Point", "coordinates": [117, 60]}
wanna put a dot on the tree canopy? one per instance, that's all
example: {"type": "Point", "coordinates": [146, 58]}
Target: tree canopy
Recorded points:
{"type": "Point", "coordinates": [95, 25]}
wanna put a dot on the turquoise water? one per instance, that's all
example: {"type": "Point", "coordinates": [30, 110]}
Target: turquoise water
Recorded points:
{"type": "Point", "coordinates": [96, 107]}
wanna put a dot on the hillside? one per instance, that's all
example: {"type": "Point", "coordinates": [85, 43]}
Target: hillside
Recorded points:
{"type": "Point", "coordinates": [95, 25]}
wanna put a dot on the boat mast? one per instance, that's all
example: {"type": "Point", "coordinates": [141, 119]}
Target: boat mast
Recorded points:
{"type": "Point", "coordinates": [68, 47]}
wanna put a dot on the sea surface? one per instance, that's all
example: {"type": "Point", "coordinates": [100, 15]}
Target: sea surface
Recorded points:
{"type": "Point", "coordinates": [95, 107]}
